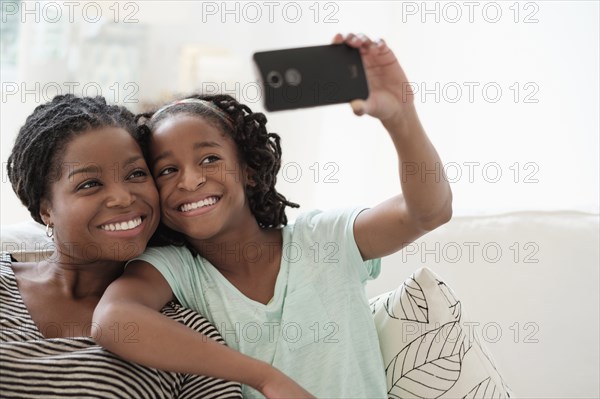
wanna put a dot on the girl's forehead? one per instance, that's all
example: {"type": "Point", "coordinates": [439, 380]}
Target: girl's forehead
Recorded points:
{"type": "Point", "coordinates": [188, 134]}
{"type": "Point", "coordinates": [181, 118]}
{"type": "Point", "coordinates": [188, 126]}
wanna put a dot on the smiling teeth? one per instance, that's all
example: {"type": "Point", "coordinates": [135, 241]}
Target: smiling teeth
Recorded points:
{"type": "Point", "coordinates": [132, 224]}
{"type": "Point", "coordinates": [195, 205]}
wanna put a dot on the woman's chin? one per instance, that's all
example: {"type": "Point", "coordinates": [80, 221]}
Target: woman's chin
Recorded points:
{"type": "Point", "coordinates": [119, 250]}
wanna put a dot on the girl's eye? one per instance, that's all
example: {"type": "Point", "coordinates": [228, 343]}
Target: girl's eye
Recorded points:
{"type": "Point", "coordinates": [166, 171]}
{"type": "Point", "coordinates": [210, 159]}
{"type": "Point", "coordinates": [138, 173]}
{"type": "Point", "coordinates": [88, 184]}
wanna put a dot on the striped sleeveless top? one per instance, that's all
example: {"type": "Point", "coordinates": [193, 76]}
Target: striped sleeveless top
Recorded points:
{"type": "Point", "coordinates": [32, 366]}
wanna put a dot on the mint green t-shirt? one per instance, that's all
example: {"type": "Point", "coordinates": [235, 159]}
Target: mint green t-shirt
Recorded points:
{"type": "Point", "coordinates": [317, 329]}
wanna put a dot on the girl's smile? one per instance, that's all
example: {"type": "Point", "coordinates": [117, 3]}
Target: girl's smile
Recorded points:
{"type": "Point", "coordinates": [199, 206]}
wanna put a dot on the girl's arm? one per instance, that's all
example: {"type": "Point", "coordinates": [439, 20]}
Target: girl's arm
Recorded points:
{"type": "Point", "coordinates": [130, 325]}
{"type": "Point", "coordinates": [425, 202]}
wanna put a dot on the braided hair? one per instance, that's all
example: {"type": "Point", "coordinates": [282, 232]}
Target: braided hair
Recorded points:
{"type": "Point", "coordinates": [34, 162]}
{"type": "Point", "coordinates": [257, 149]}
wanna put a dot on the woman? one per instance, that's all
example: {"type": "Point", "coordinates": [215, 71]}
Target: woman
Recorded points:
{"type": "Point", "coordinates": [77, 167]}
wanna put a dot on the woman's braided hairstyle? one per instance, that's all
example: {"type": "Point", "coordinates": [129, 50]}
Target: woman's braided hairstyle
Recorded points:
{"type": "Point", "coordinates": [257, 149]}
{"type": "Point", "coordinates": [34, 162]}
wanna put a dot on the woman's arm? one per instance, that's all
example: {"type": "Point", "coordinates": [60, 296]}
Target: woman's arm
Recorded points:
{"type": "Point", "coordinates": [425, 201]}
{"type": "Point", "coordinates": [132, 303]}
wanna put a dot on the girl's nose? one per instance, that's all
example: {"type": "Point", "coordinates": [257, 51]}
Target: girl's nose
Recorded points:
{"type": "Point", "coordinates": [191, 180]}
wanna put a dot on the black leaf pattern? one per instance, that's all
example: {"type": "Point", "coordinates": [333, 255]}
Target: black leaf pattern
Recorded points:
{"type": "Point", "coordinates": [408, 302]}
{"type": "Point", "coordinates": [430, 365]}
{"type": "Point", "coordinates": [486, 389]}
{"type": "Point", "coordinates": [453, 303]}
{"type": "Point", "coordinates": [433, 365]}
{"type": "Point", "coordinates": [374, 302]}
{"type": "Point", "coordinates": [490, 360]}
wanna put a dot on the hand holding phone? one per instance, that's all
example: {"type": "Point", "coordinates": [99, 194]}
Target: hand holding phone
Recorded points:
{"type": "Point", "coordinates": [311, 76]}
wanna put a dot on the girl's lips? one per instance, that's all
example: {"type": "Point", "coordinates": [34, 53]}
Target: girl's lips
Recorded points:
{"type": "Point", "coordinates": [198, 211]}
{"type": "Point", "coordinates": [197, 200]}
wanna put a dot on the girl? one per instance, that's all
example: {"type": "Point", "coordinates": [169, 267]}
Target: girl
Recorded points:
{"type": "Point", "coordinates": [257, 279]}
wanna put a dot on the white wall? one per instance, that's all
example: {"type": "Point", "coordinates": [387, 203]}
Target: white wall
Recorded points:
{"type": "Point", "coordinates": [545, 146]}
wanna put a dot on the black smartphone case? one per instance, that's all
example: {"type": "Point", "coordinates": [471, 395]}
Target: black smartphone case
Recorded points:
{"type": "Point", "coordinates": [311, 76]}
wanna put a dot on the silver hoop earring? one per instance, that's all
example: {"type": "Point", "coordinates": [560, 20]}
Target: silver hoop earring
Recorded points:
{"type": "Point", "coordinates": [49, 231]}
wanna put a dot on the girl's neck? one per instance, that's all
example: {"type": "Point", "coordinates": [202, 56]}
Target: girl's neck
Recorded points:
{"type": "Point", "coordinates": [245, 250]}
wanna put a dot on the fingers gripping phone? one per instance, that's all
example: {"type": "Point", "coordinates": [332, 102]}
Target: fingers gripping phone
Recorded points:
{"type": "Point", "coordinates": [311, 76]}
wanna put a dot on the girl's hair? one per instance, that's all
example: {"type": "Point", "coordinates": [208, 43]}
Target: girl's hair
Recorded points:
{"type": "Point", "coordinates": [257, 149]}
{"type": "Point", "coordinates": [34, 163]}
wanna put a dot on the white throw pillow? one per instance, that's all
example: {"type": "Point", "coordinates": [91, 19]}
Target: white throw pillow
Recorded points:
{"type": "Point", "coordinates": [429, 348]}
{"type": "Point", "coordinates": [26, 241]}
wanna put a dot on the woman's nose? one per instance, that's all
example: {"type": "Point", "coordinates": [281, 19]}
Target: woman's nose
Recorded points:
{"type": "Point", "coordinates": [120, 196]}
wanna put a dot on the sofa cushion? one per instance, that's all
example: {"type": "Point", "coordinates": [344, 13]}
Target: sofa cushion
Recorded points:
{"type": "Point", "coordinates": [26, 242]}
{"type": "Point", "coordinates": [430, 349]}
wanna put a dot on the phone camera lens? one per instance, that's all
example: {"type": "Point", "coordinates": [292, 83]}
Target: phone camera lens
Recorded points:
{"type": "Point", "coordinates": [274, 79]}
{"type": "Point", "coordinates": [293, 77]}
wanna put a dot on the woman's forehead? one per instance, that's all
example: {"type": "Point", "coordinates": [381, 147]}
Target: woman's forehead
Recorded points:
{"type": "Point", "coordinates": [109, 145]}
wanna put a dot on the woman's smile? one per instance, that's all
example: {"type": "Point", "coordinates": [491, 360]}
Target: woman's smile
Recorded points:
{"type": "Point", "coordinates": [124, 226]}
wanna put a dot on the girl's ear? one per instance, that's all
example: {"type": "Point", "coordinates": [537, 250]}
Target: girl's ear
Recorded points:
{"type": "Point", "coordinates": [46, 212]}
{"type": "Point", "coordinates": [249, 176]}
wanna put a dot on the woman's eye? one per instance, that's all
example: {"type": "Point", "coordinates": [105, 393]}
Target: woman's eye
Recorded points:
{"type": "Point", "coordinates": [166, 171]}
{"type": "Point", "coordinates": [210, 159]}
{"type": "Point", "coordinates": [88, 185]}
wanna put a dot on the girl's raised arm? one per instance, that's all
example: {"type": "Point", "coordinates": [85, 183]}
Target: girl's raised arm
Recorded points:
{"type": "Point", "coordinates": [426, 199]}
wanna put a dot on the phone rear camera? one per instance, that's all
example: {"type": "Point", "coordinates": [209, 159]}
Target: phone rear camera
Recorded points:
{"type": "Point", "coordinates": [274, 79]}
{"type": "Point", "coordinates": [293, 77]}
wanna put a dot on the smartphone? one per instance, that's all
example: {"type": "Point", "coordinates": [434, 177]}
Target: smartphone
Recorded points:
{"type": "Point", "coordinates": [311, 76]}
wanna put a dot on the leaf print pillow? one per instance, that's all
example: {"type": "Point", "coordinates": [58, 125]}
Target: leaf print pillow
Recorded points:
{"type": "Point", "coordinates": [429, 349]}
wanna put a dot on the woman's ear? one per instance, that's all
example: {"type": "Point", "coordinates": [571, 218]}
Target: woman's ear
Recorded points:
{"type": "Point", "coordinates": [46, 212]}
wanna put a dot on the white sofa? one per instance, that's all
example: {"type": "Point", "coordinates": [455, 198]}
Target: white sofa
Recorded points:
{"type": "Point", "coordinates": [530, 280]}
{"type": "Point", "coordinates": [538, 308]}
